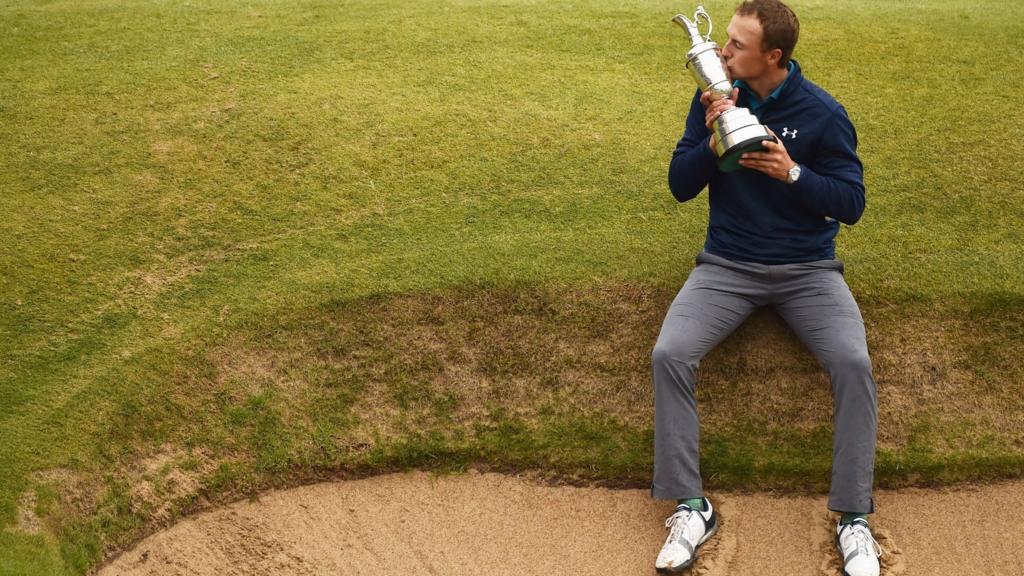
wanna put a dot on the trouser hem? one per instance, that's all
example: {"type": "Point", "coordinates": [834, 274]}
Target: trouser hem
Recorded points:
{"type": "Point", "coordinates": [851, 507]}
{"type": "Point", "coordinates": [671, 494]}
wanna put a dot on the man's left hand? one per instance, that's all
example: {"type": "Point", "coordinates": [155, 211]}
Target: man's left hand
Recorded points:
{"type": "Point", "coordinates": [774, 161]}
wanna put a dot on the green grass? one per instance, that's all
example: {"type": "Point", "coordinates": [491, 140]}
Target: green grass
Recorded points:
{"type": "Point", "coordinates": [216, 215]}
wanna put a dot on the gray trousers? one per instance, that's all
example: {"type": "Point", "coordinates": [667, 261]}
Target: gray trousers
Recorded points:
{"type": "Point", "coordinates": [814, 300]}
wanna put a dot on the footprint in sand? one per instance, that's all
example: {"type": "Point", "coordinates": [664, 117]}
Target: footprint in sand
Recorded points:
{"type": "Point", "coordinates": [717, 554]}
{"type": "Point", "coordinates": [891, 562]}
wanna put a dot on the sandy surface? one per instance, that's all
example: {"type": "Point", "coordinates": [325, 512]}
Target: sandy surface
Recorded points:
{"type": "Point", "coordinates": [486, 523]}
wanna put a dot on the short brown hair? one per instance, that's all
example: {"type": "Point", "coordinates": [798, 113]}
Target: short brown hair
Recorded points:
{"type": "Point", "coordinates": [779, 25]}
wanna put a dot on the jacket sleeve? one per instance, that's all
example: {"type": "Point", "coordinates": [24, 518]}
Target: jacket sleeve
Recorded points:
{"type": "Point", "coordinates": [833, 184]}
{"type": "Point", "coordinates": [693, 163]}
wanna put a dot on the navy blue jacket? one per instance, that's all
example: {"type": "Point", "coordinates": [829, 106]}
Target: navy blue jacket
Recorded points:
{"type": "Point", "coordinates": [756, 218]}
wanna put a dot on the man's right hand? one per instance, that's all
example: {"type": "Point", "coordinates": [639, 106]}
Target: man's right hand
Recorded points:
{"type": "Point", "coordinates": [715, 109]}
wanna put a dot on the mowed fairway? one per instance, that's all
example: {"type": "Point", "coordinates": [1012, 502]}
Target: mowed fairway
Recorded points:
{"type": "Point", "coordinates": [254, 244]}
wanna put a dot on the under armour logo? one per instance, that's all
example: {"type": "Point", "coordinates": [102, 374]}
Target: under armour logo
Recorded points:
{"type": "Point", "coordinates": [787, 132]}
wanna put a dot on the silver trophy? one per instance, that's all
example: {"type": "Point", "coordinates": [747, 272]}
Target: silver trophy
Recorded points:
{"type": "Point", "coordinates": [736, 130]}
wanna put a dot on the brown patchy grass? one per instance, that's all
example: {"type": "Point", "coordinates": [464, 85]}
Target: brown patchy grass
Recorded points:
{"type": "Point", "coordinates": [446, 362]}
{"type": "Point", "coordinates": [159, 485]}
{"type": "Point", "coordinates": [76, 490]}
{"type": "Point", "coordinates": [27, 520]}
{"type": "Point", "coordinates": [165, 479]}
{"type": "Point", "coordinates": [322, 390]}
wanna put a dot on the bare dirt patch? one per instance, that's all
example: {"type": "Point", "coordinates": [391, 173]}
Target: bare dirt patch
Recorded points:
{"type": "Point", "coordinates": [486, 523]}
{"type": "Point", "coordinates": [27, 520]}
{"type": "Point", "coordinates": [165, 478]}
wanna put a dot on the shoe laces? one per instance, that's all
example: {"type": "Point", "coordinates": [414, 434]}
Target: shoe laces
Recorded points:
{"type": "Point", "coordinates": [866, 543]}
{"type": "Point", "coordinates": [678, 523]}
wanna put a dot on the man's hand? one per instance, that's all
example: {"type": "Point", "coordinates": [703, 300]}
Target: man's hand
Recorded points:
{"type": "Point", "coordinates": [714, 109]}
{"type": "Point", "coordinates": [774, 161]}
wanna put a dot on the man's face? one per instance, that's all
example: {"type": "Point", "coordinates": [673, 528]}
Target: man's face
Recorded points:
{"type": "Point", "coordinates": [743, 53]}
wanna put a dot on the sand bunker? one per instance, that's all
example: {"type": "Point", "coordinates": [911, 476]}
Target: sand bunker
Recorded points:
{"type": "Point", "coordinates": [487, 523]}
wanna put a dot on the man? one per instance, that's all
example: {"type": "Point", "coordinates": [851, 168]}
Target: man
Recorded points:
{"type": "Point", "coordinates": [770, 241]}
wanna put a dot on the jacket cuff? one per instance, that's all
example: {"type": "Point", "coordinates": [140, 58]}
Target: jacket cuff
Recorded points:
{"type": "Point", "coordinates": [806, 187]}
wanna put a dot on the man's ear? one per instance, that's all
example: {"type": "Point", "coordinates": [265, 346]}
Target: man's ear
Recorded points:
{"type": "Point", "coordinates": [774, 56]}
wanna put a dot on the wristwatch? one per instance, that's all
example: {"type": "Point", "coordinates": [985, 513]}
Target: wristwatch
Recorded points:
{"type": "Point", "coordinates": [794, 174]}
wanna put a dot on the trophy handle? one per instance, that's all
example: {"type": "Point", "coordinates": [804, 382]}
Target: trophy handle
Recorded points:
{"type": "Point", "coordinates": [700, 13]}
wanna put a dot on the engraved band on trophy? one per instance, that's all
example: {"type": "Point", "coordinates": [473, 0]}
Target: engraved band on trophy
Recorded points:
{"type": "Point", "coordinates": [736, 129]}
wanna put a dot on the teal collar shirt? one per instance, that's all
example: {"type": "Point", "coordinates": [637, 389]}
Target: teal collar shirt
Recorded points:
{"type": "Point", "coordinates": [755, 104]}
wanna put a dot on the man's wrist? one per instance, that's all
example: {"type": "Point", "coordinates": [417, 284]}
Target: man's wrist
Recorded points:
{"type": "Point", "coordinates": [793, 174]}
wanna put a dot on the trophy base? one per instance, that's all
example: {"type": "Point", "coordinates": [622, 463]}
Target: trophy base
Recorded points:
{"type": "Point", "coordinates": [729, 161]}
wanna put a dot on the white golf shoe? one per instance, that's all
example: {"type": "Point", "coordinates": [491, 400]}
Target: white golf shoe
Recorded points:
{"type": "Point", "coordinates": [858, 548]}
{"type": "Point", "coordinates": [687, 530]}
